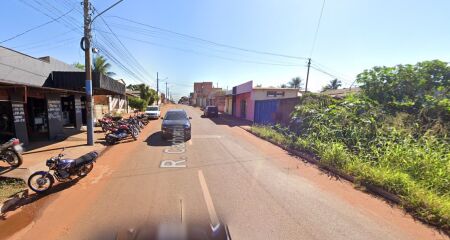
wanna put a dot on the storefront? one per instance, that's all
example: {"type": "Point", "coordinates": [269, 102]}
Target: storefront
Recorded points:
{"type": "Point", "coordinates": [37, 113]}
{"type": "Point", "coordinates": [243, 107]}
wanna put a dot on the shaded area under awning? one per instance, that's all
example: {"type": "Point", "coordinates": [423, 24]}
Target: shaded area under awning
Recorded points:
{"type": "Point", "coordinates": [101, 84]}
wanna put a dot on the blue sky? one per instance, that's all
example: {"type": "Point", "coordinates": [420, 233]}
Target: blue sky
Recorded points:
{"type": "Point", "coordinates": [354, 35]}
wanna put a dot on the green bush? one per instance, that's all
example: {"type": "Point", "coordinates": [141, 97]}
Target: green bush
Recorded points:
{"type": "Point", "coordinates": [137, 103]}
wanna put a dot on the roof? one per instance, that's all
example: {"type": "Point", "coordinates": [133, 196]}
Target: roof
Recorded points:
{"type": "Point", "coordinates": [101, 84]}
{"type": "Point", "coordinates": [19, 68]}
{"type": "Point", "coordinates": [275, 88]}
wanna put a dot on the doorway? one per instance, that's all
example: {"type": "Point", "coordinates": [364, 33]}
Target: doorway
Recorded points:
{"type": "Point", "coordinates": [6, 122]}
{"type": "Point", "coordinates": [37, 120]}
{"type": "Point", "coordinates": [68, 111]}
{"type": "Point", "coordinates": [243, 109]}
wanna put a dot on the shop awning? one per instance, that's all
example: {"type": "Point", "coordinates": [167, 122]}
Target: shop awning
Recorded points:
{"type": "Point", "coordinates": [101, 84]}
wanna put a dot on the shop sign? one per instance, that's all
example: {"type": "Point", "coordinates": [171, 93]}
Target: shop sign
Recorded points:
{"type": "Point", "coordinates": [18, 112]}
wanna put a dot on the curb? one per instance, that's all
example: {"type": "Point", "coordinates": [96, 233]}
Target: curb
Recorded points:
{"type": "Point", "coordinates": [312, 158]}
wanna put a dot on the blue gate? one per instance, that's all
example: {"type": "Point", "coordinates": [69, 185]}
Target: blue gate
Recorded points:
{"type": "Point", "coordinates": [265, 111]}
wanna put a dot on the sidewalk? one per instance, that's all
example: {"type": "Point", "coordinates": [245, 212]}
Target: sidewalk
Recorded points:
{"type": "Point", "coordinates": [36, 153]}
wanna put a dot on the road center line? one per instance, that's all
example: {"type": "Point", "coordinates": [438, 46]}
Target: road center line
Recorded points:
{"type": "Point", "coordinates": [209, 203]}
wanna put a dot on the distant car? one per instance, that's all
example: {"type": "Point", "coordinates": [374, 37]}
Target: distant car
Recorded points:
{"type": "Point", "coordinates": [176, 124]}
{"type": "Point", "coordinates": [211, 111]}
{"type": "Point", "coordinates": [153, 112]}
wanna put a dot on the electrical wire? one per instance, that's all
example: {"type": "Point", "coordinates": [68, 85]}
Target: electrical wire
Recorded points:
{"type": "Point", "coordinates": [141, 68]}
{"type": "Point", "coordinates": [317, 29]}
{"type": "Point", "coordinates": [36, 27]}
{"type": "Point", "coordinates": [209, 41]}
{"type": "Point", "coordinates": [205, 54]}
{"type": "Point", "coordinates": [208, 47]}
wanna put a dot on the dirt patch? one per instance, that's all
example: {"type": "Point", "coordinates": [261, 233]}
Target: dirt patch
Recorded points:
{"type": "Point", "coordinates": [14, 221]}
{"type": "Point", "coordinates": [10, 186]}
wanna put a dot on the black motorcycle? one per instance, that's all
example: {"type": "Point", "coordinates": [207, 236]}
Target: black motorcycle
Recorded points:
{"type": "Point", "coordinates": [63, 171]}
{"type": "Point", "coordinates": [11, 151]}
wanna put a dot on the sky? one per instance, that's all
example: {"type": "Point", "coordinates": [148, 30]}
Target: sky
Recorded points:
{"type": "Point", "coordinates": [142, 37]}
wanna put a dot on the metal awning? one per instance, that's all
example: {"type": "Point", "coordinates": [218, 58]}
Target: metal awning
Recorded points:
{"type": "Point", "coordinates": [101, 84]}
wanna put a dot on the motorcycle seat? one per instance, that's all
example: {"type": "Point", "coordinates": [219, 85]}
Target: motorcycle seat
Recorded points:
{"type": "Point", "coordinates": [88, 157]}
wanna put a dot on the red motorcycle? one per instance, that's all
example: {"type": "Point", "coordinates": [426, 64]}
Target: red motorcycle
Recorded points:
{"type": "Point", "coordinates": [121, 132]}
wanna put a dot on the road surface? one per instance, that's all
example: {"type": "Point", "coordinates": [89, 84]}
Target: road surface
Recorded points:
{"type": "Point", "coordinates": [223, 172]}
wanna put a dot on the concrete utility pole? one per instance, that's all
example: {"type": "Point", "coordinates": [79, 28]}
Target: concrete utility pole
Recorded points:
{"type": "Point", "coordinates": [87, 66]}
{"type": "Point", "coordinates": [307, 75]}
{"type": "Point", "coordinates": [167, 91]}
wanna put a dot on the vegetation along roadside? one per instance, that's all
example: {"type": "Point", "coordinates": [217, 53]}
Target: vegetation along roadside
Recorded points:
{"type": "Point", "coordinates": [394, 135]}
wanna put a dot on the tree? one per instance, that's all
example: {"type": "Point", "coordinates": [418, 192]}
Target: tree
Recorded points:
{"type": "Point", "coordinates": [258, 85]}
{"type": "Point", "coordinates": [296, 82]}
{"type": "Point", "coordinates": [137, 103]}
{"type": "Point", "coordinates": [334, 84]}
{"type": "Point", "coordinates": [283, 85]}
{"type": "Point", "coordinates": [147, 94]}
{"type": "Point", "coordinates": [102, 66]}
{"type": "Point", "coordinates": [78, 65]}
{"type": "Point", "coordinates": [422, 89]}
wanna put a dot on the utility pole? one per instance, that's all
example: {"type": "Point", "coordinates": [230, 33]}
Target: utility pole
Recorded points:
{"type": "Point", "coordinates": [157, 88]}
{"type": "Point", "coordinates": [87, 66]}
{"type": "Point", "coordinates": [167, 91]}
{"type": "Point", "coordinates": [307, 75]}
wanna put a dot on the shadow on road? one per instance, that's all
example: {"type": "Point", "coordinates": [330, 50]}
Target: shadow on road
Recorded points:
{"type": "Point", "coordinates": [156, 140]}
{"type": "Point", "coordinates": [52, 149]}
{"type": "Point", "coordinates": [28, 199]}
{"type": "Point", "coordinates": [4, 170]}
{"type": "Point", "coordinates": [231, 121]}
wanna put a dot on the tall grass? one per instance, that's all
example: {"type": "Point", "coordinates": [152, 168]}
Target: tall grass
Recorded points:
{"type": "Point", "coordinates": [357, 137]}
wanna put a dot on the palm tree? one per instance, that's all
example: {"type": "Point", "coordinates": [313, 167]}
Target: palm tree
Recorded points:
{"type": "Point", "coordinates": [334, 84]}
{"type": "Point", "coordinates": [101, 66]}
{"type": "Point", "coordinates": [296, 82]}
{"type": "Point", "coordinates": [79, 65]}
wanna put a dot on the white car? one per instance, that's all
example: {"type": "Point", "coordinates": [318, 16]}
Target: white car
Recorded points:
{"type": "Point", "coordinates": [153, 112]}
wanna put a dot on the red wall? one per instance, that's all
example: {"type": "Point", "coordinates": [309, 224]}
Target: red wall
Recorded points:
{"type": "Point", "coordinates": [249, 105]}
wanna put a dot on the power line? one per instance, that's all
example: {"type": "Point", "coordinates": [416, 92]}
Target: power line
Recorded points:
{"type": "Point", "coordinates": [211, 42]}
{"type": "Point", "coordinates": [208, 47]}
{"type": "Point", "coordinates": [317, 29]}
{"type": "Point", "coordinates": [36, 27]}
{"type": "Point", "coordinates": [51, 17]}
{"type": "Point", "coordinates": [141, 68]}
{"type": "Point", "coordinates": [208, 55]}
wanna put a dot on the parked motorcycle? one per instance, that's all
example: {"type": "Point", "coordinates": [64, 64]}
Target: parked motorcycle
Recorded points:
{"type": "Point", "coordinates": [63, 171]}
{"type": "Point", "coordinates": [11, 151]}
{"type": "Point", "coordinates": [120, 133]}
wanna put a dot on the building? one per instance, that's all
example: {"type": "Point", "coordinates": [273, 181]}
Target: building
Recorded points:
{"type": "Point", "coordinates": [245, 96]}
{"type": "Point", "coordinates": [228, 105]}
{"type": "Point", "coordinates": [42, 97]}
{"type": "Point", "coordinates": [201, 92]}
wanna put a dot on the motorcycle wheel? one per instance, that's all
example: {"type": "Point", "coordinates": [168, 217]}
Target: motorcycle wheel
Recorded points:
{"type": "Point", "coordinates": [12, 158]}
{"type": "Point", "coordinates": [134, 134]}
{"type": "Point", "coordinates": [85, 169]}
{"type": "Point", "coordinates": [40, 182]}
{"type": "Point", "coordinates": [110, 140]}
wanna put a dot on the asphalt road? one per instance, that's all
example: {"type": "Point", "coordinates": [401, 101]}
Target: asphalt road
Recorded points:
{"type": "Point", "coordinates": [223, 172]}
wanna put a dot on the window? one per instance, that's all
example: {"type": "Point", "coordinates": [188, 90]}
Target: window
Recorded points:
{"type": "Point", "coordinates": [155, 108]}
{"type": "Point", "coordinates": [275, 93]}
